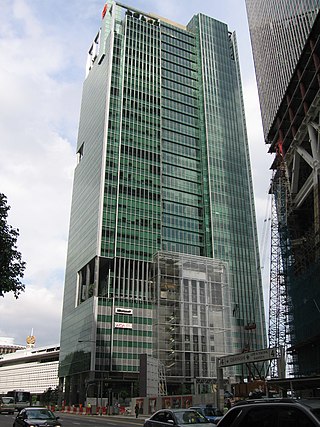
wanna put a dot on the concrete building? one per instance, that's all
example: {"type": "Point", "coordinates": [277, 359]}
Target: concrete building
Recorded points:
{"type": "Point", "coordinates": [31, 369]}
{"type": "Point", "coordinates": [163, 254]}
{"type": "Point", "coordinates": [286, 49]}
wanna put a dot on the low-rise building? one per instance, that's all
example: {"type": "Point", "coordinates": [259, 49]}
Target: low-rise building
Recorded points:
{"type": "Point", "coordinates": [30, 369]}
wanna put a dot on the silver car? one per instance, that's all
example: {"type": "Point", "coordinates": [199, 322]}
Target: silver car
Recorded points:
{"type": "Point", "coordinates": [177, 417]}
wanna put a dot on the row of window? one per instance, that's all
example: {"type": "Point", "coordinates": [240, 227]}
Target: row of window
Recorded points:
{"type": "Point", "coordinates": [179, 66]}
{"type": "Point", "coordinates": [181, 236]}
{"type": "Point", "coordinates": [181, 185]}
{"type": "Point", "coordinates": [182, 161]}
{"type": "Point", "coordinates": [179, 97]}
{"type": "Point", "coordinates": [177, 34]}
{"type": "Point", "coordinates": [181, 128]}
{"type": "Point", "coordinates": [173, 104]}
{"type": "Point", "coordinates": [106, 318]}
{"type": "Point", "coordinates": [183, 248]}
{"type": "Point", "coordinates": [180, 138]}
{"type": "Point", "coordinates": [170, 195]}
{"type": "Point", "coordinates": [179, 79]}
{"type": "Point", "coordinates": [182, 223]}
{"type": "Point", "coordinates": [105, 302]}
{"type": "Point", "coordinates": [170, 51]}
{"type": "Point", "coordinates": [171, 83]}
{"type": "Point", "coordinates": [186, 45]}
{"type": "Point", "coordinates": [181, 209]}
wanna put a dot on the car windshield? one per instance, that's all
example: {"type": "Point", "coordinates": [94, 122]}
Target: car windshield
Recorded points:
{"type": "Point", "coordinates": [40, 414]}
{"type": "Point", "coordinates": [7, 400]}
{"type": "Point", "coordinates": [191, 417]}
{"type": "Point", "coordinates": [209, 412]}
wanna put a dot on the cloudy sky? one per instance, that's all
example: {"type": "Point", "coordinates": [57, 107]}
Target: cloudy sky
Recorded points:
{"type": "Point", "coordinates": [43, 50]}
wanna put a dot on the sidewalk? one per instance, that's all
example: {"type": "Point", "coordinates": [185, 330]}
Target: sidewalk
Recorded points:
{"type": "Point", "coordinates": [85, 413]}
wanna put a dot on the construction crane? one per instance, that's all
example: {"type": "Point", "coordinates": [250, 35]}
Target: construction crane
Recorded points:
{"type": "Point", "coordinates": [279, 306]}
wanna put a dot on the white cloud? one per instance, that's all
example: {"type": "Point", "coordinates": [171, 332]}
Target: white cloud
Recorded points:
{"type": "Point", "coordinates": [38, 309]}
{"type": "Point", "coordinates": [38, 127]}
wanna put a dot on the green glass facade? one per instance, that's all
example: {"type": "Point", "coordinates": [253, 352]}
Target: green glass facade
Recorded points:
{"type": "Point", "coordinates": [163, 179]}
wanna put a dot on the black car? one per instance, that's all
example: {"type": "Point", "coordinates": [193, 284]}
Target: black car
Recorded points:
{"type": "Point", "coordinates": [273, 413]}
{"type": "Point", "coordinates": [36, 417]}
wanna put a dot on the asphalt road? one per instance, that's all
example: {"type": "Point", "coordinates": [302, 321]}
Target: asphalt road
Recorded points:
{"type": "Point", "coordinates": [70, 420]}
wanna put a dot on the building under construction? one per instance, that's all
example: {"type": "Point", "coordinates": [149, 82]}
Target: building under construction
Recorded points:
{"type": "Point", "coordinates": [294, 138]}
{"type": "Point", "coordinates": [290, 101]}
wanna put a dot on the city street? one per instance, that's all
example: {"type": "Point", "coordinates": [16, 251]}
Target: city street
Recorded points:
{"type": "Point", "coordinates": [70, 420]}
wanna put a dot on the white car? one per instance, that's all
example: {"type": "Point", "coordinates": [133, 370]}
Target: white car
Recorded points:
{"type": "Point", "coordinates": [177, 418]}
{"type": "Point", "coordinates": [7, 405]}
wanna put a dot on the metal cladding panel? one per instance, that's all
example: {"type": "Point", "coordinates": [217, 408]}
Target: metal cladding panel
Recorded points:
{"type": "Point", "coordinates": [88, 179]}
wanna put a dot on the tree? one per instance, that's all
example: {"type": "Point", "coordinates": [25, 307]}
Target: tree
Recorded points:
{"type": "Point", "coordinates": [11, 265]}
{"type": "Point", "coordinates": [50, 396]}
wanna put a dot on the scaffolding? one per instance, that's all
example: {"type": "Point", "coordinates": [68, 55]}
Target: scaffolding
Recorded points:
{"type": "Point", "coordinates": [280, 262]}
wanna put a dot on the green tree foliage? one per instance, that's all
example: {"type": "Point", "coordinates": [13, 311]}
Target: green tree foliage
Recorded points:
{"type": "Point", "coordinates": [50, 396]}
{"type": "Point", "coordinates": [11, 265]}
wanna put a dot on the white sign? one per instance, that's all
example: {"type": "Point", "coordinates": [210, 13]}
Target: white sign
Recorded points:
{"type": "Point", "coordinates": [121, 325]}
{"type": "Point", "coordinates": [123, 310]}
{"type": "Point", "coordinates": [249, 357]}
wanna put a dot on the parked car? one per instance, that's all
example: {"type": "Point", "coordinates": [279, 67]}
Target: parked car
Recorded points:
{"type": "Point", "coordinates": [273, 413]}
{"type": "Point", "coordinates": [211, 412]}
{"type": "Point", "coordinates": [36, 416]}
{"type": "Point", "coordinates": [177, 417]}
{"type": "Point", "coordinates": [7, 405]}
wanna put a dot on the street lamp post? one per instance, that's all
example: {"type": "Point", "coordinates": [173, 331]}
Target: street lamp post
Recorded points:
{"type": "Point", "coordinates": [109, 400]}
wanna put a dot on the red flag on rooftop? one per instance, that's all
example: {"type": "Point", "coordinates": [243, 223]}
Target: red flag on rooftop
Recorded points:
{"type": "Point", "coordinates": [104, 10]}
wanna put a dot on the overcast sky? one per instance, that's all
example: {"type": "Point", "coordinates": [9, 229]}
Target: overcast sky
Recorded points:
{"type": "Point", "coordinates": [43, 50]}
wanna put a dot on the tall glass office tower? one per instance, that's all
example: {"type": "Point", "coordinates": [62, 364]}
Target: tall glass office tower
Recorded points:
{"type": "Point", "coordinates": [163, 255]}
{"type": "Point", "coordinates": [279, 30]}
{"type": "Point", "coordinates": [286, 48]}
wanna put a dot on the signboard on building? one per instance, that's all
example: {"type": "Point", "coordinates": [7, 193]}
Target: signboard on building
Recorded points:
{"type": "Point", "coordinates": [121, 310]}
{"type": "Point", "coordinates": [249, 357]}
{"type": "Point", "coordinates": [122, 325]}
